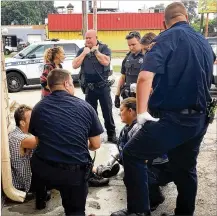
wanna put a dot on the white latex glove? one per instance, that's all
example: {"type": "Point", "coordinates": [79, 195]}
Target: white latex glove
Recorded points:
{"type": "Point", "coordinates": [144, 117]}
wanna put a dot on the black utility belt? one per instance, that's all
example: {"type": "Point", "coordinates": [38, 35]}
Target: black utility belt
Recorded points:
{"type": "Point", "coordinates": [159, 113]}
{"type": "Point", "coordinates": [97, 85]}
{"type": "Point", "coordinates": [64, 166]}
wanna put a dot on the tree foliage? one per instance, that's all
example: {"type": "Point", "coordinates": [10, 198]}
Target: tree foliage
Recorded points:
{"type": "Point", "coordinates": [191, 7]}
{"type": "Point", "coordinates": [25, 12]}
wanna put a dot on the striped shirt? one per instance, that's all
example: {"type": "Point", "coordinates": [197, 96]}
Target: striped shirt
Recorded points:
{"type": "Point", "coordinates": [20, 164]}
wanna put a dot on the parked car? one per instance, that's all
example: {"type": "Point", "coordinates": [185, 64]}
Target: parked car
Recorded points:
{"type": "Point", "coordinates": [213, 43]}
{"type": "Point", "coordinates": [8, 50]}
{"type": "Point", "coordinates": [25, 68]}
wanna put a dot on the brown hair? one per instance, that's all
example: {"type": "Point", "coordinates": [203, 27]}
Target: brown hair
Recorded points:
{"type": "Point", "coordinates": [19, 113]}
{"type": "Point", "coordinates": [50, 53]}
{"type": "Point", "coordinates": [174, 10]}
{"type": "Point", "coordinates": [129, 103]}
{"type": "Point", "coordinates": [147, 38]}
{"type": "Point", "coordinates": [133, 34]}
{"type": "Point", "coordinates": [57, 77]}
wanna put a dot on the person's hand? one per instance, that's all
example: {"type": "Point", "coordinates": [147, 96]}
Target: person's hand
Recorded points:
{"type": "Point", "coordinates": [144, 117]}
{"type": "Point", "coordinates": [95, 48]}
{"type": "Point", "coordinates": [117, 101]}
{"type": "Point", "coordinates": [86, 50]}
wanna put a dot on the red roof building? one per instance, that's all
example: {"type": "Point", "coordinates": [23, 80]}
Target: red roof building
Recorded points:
{"type": "Point", "coordinates": [106, 21]}
{"type": "Point", "coordinates": [112, 27]}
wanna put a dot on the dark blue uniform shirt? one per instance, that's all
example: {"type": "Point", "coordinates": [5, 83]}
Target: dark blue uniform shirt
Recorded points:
{"type": "Point", "coordinates": [90, 65]}
{"type": "Point", "coordinates": [182, 61]}
{"type": "Point", "coordinates": [63, 124]}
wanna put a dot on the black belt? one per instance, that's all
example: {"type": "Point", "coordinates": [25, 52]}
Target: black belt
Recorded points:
{"type": "Point", "coordinates": [64, 166]}
{"type": "Point", "coordinates": [160, 113]}
{"type": "Point", "coordinates": [97, 85]}
{"type": "Point", "coordinates": [190, 111]}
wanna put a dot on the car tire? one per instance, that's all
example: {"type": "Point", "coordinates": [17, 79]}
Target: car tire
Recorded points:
{"type": "Point", "coordinates": [15, 82]}
{"type": "Point", "coordinates": [7, 52]}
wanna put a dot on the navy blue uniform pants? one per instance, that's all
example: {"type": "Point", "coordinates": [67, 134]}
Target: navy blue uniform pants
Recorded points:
{"type": "Point", "coordinates": [176, 134]}
{"type": "Point", "coordinates": [71, 184]}
{"type": "Point", "coordinates": [104, 97]}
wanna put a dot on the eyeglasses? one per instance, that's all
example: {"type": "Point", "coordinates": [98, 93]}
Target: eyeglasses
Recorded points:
{"type": "Point", "coordinates": [135, 34]}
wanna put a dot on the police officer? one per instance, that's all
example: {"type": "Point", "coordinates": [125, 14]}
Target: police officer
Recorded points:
{"type": "Point", "coordinates": [179, 67]}
{"type": "Point", "coordinates": [94, 60]}
{"type": "Point", "coordinates": [130, 67]}
{"type": "Point", "coordinates": [131, 64]}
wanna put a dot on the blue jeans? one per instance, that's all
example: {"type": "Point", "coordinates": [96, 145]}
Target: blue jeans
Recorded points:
{"type": "Point", "coordinates": [176, 134]}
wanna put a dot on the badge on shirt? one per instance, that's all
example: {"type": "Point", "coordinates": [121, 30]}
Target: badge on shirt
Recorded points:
{"type": "Point", "coordinates": [140, 60]}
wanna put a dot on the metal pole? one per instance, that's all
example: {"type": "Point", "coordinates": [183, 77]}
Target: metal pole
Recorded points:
{"type": "Point", "coordinates": [201, 23]}
{"type": "Point", "coordinates": [84, 18]}
{"type": "Point", "coordinates": [207, 25]}
{"type": "Point", "coordinates": [95, 15]}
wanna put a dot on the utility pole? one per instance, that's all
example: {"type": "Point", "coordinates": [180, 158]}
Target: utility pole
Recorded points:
{"type": "Point", "coordinates": [84, 18]}
{"type": "Point", "coordinates": [95, 15]}
{"type": "Point", "coordinates": [207, 25]}
{"type": "Point", "coordinates": [201, 23]}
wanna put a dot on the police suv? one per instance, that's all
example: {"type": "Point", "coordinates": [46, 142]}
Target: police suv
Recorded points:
{"type": "Point", "coordinates": [213, 42]}
{"type": "Point", "coordinates": [26, 67]}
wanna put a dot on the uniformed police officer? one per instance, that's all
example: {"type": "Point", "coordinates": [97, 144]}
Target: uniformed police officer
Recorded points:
{"type": "Point", "coordinates": [131, 64]}
{"type": "Point", "coordinates": [179, 67]}
{"type": "Point", "coordinates": [94, 60]}
{"type": "Point", "coordinates": [130, 67]}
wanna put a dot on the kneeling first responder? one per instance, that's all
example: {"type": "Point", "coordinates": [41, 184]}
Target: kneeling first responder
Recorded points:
{"type": "Point", "coordinates": [94, 60]}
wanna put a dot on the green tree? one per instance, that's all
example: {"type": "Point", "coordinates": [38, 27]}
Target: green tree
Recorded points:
{"type": "Point", "coordinates": [191, 7]}
{"type": "Point", "coordinates": [25, 12]}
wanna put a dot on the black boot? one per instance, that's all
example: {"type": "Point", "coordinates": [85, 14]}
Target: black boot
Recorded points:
{"type": "Point", "coordinates": [97, 181]}
{"type": "Point", "coordinates": [156, 197]}
{"type": "Point", "coordinates": [108, 171]}
{"type": "Point", "coordinates": [125, 212]}
{"type": "Point", "coordinates": [40, 203]}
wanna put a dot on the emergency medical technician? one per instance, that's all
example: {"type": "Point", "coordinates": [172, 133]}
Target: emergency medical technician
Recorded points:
{"type": "Point", "coordinates": [130, 67]}
{"type": "Point", "coordinates": [179, 67]}
{"type": "Point", "coordinates": [94, 60]}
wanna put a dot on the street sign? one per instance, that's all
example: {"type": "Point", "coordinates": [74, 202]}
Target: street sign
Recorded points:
{"type": "Point", "coordinates": [207, 6]}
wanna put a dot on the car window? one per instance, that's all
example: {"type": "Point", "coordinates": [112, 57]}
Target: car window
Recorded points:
{"type": "Point", "coordinates": [39, 52]}
{"type": "Point", "coordinates": [214, 47]}
{"type": "Point", "coordinates": [70, 49]}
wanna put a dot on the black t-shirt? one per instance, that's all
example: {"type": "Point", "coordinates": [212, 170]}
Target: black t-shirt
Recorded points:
{"type": "Point", "coordinates": [63, 124]}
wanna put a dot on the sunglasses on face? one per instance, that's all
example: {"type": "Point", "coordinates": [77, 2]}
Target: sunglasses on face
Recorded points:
{"type": "Point", "coordinates": [135, 34]}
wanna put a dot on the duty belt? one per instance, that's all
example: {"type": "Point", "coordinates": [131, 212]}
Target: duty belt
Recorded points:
{"type": "Point", "coordinates": [64, 166]}
{"type": "Point", "coordinates": [92, 86]}
{"type": "Point", "coordinates": [190, 111]}
{"type": "Point", "coordinates": [160, 113]}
